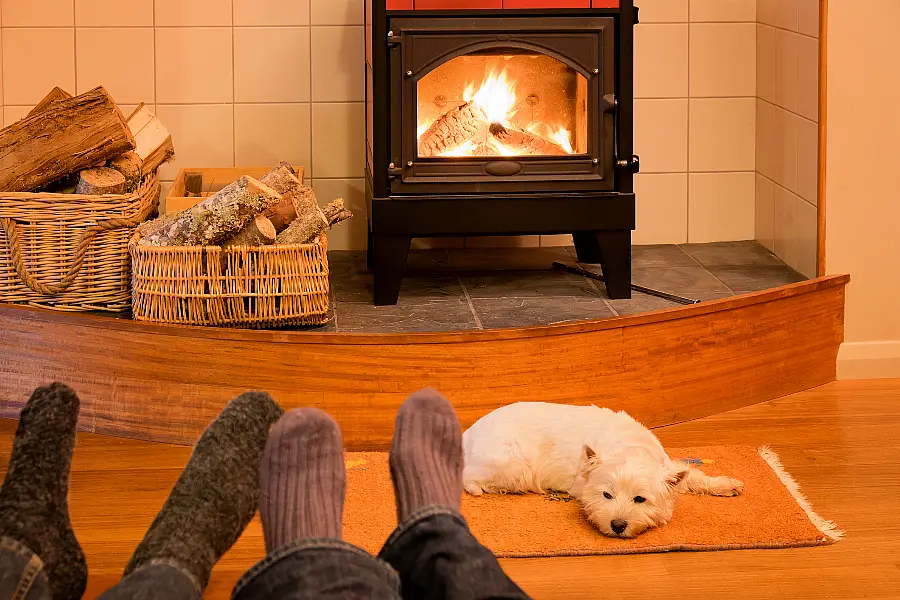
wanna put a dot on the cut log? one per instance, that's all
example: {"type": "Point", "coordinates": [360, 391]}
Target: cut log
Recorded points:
{"type": "Point", "coordinates": [304, 229]}
{"type": "Point", "coordinates": [333, 208]}
{"type": "Point", "coordinates": [456, 127]}
{"type": "Point", "coordinates": [193, 184]}
{"type": "Point", "coordinates": [295, 196]}
{"type": "Point", "coordinates": [217, 218]}
{"type": "Point", "coordinates": [260, 232]}
{"type": "Point", "coordinates": [129, 165]}
{"type": "Point", "coordinates": [523, 143]}
{"type": "Point", "coordinates": [55, 95]}
{"type": "Point", "coordinates": [70, 135]}
{"type": "Point", "coordinates": [154, 144]}
{"type": "Point", "coordinates": [99, 181]}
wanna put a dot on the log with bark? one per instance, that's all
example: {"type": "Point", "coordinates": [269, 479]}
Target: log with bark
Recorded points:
{"type": "Point", "coordinates": [55, 95]}
{"type": "Point", "coordinates": [305, 228]}
{"type": "Point", "coordinates": [154, 144]}
{"type": "Point", "coordinates": [217, 218]}
{"type": "Point", "coordinates": [465, 123]}
{"type": "Point", "coordinates": [521, 142]}
{"type": "Point", "coordinates": [68, 136]}
{"type": "Point", "coordinates": [259, 232]}
{"type": "Point", "coordinates": [99, 181]}
{"type": "Point", "coordinates": [129, 165]}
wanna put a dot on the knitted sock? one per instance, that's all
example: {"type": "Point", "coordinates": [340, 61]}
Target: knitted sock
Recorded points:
{"type": "Point", "coordinates": [426, 455]}
{"type": "Point", "coordinates": [215, 497]}
{"type": "Point", "coordinates": [302, 479]}
{"type": "Point", "coordinates": [34, 507]}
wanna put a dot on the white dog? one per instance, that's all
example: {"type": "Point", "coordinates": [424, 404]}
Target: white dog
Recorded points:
{"type": "Point", "coordinates": [614, 465]}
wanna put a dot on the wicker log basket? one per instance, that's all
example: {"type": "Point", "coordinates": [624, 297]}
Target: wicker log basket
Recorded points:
{"type": "Point", "coordinates": [69, 252]}
{"type": "Point", "coordinates": [253, 287]}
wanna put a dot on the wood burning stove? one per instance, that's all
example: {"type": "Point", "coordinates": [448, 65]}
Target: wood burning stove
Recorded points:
{"type": "Point", "coordinates": [499, 120]}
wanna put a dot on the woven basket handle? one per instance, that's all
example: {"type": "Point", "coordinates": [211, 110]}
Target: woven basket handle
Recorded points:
{"type": "Point", "coordinates": [15, 246]}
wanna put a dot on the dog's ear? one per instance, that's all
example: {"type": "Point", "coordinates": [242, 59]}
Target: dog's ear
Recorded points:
{"type": "Point", "coordinates": [677, 474]}
{"type": "Point", "coordinates": [587, 453]}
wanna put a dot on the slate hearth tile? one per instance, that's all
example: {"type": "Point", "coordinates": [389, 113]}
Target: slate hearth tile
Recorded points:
{"type": "Point", "coordinates": [691, 282]}
{"type": "Point", "coordinates": [753, 278]}
{"type": "Point", "coordinates": [507, 259]}
{"type": "Point", "coordinates": [416, 289]}
{"type": "Point", "coordinates": [641, 303]}
{"type": "Point", "coordinates": [499, 313]}
{"type": "Point", "coordinates": [419, 261]}
{"type": "Point", "coordinates": [435, 315]}
{"type": "Point", "coordinates": [527, 284]}
{"type": "Point", "coordinates": [660, 255]}
{"type": "Point", "coordinates": [732, 253]}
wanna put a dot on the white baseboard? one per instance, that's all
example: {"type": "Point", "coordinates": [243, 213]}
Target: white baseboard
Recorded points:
{"type": "Point", "coordinates": [869, 360]}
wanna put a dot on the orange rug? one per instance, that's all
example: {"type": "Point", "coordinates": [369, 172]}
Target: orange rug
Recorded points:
{"type": "Point", "coordinates": [771, 513]}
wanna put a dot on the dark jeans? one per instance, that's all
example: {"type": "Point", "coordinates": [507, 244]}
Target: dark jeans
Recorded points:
{"type": "Point", "coordinates": [432, 555]}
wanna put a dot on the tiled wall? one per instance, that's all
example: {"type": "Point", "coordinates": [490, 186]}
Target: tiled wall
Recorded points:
{"type": "Point", "coordinates": [787, 130]}
{"type": "Point", "coordinates": [244, 82]}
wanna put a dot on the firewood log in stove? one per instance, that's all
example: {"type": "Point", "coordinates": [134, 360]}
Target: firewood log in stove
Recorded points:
{"type": "Point", "coordinates": [465, 123]}
{"type": "Point", "coordinates": [520, 142]}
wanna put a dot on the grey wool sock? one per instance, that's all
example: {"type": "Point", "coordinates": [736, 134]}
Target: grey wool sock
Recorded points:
{"type": "Point", "coordinates": [34, 507]}
{"type": "Point", "coordinates": [302, 479]}
{"type": "Point", "coordinates": [215, 497]}
{"type": "Point", "coordinates": [426, 456]}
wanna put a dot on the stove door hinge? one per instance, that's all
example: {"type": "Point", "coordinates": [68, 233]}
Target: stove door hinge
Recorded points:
{"type": "Point", "coordinates": [394, 172]}
{"type": "Point", "coordinates": [393, 40]}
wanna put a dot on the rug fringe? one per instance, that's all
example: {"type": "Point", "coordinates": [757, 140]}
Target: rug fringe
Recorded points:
{"type": "Point", "coordinates": [828, 528]}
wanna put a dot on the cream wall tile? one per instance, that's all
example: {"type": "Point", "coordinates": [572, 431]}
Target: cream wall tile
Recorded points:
{"type": "Point", "coordinates": [807, 235]}
{"type": "Point", "coordinates": [663, 11]}
{"type": "Point", "coordinates": [660, 134]}
{"type": "Point", "coordinates": [786, 233]}
{"type": "Point", "coordinates": [661, 61]}
{"type": "Point", "coordinates": [42, 13]}
{"type": "Point", "coordinates": [164, 187]}
{"type": "Point", "coordinates": [808, 18]}
{"type": "Point", "coordinates": [265, 134]}
{"type": "Point", "coordinates": [185, 13]}
{"type": "Point", "coordinates": [203, 136]}
{"type": "Point", "coordinates": [338, 140]}
{"type": "Point", "coordinates": [271, 64]}
{"type": "Point", "coordinates": [765, 138]}
{"type": "Point", "coordinates": [28, 74]}
{"type": "Point", "coordinates": [722, 134]}
{"type": "Point", "coordinates": [721, 207]}
{"type": "Point", "coordinates": [271, 12]}
{"type": "Point", "coordinates": [765, 62]}
{"type": "Point", "coordinates": [503, 241]}
{"type": "Point", "coordinates": [351, 234]}
{"type": "Point", "coordinates": [127, 76]}
{"type": "Point", "coordinates": [787, 14]}
{"type": "Point", "coordinates": [807, 160]}
{"type": "Point", "coordinates": [554, 241]}
{"type": "Point", "coordinates": [786, 65]}
{"type": "Point", "coordinates": [194, 65]}
{"type": "Point", "coordinates": [11, 114]}
{"type": "Point", "coordinates": [765, 212]}
{"type": "Point", "coordinates": [338, 75]}
{"type": "Point", "coordinates": [1, 70]}
{"type": "Point", "coordinates": [723, 59]}
{"type": "Point", "coordinates": [785, 144]}
{"type": "Point", "coordinates": [766, 11]}
{"type": "Point", "coordinates": [723, 10]}
{"type": "Point", "coordinates": [340, 12]}
{"type": "Point", "coordinates": [661, 209]}
{"type": "Point", "coordinates": [103, 13]}
{"type": "Point", "coordinates": [808, 77]}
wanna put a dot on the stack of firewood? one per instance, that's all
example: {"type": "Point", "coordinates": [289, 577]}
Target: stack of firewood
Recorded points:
{"type": "Point", "coordinates": [82, 145]}
{"type": "Point", "coordinates": [276, 209]}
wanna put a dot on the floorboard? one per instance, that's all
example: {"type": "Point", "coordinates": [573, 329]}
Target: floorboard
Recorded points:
{"type": "Point", "coordinates": [840, 441]}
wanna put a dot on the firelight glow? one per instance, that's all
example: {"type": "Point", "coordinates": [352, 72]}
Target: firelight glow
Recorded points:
{"type": "Point", "coordinates": [496, 97]}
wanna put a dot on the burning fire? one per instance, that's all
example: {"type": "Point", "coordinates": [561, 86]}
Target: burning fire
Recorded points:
{"type": "Point", "coordinates": [496, 106]}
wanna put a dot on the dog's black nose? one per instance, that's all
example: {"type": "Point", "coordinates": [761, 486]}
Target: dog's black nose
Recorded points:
{"type": "Point", "coordinates": [618, 525]}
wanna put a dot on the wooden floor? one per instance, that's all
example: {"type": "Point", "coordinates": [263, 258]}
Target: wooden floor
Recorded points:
{"type": "Point", "coordinates": [841, 442]}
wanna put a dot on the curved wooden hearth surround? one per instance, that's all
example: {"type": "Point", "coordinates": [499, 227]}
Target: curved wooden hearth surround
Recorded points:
{"type": "Point", "coordinates": [165, 383]}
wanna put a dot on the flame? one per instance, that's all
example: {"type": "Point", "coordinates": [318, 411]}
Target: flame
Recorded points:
{"type": "Point", "coordinates": [496, 97]}
{"type": "Point", "coordinates": [466, 149]}
{"type": "Point", "coordinates": [563, 137]}
{"type": "Point", "coordinates": [501, 148]}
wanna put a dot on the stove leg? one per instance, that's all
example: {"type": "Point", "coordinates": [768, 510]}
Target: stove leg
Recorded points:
{"type": "Point", "coordinates": [612, 250]}
{"type": "Point", "coordinates": [370, 251]}
{"type": "Point", "coordinates": [389, 261]}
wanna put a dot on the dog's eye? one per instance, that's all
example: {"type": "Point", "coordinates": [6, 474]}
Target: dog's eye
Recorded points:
{"type": "Point", "coordinates": [607, 495]}
{"type": "Point", "coordinates": [639, 499]}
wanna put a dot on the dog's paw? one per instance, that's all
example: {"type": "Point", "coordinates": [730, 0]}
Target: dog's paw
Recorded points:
{"type": "Point", "coordinates": [725, 486]}
{"type": "Point", "coordinates": [473, 488]}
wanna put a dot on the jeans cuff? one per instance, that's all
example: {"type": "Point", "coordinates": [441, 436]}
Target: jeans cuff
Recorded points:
{"type": "Point", "coordinates": [307, 545]}
{"type": "Point", "coordinates": [420, 515]}
{"type": "Point", "coordinates": [174, 564]}
{"type": "Point", "coordinates": [32, 569]}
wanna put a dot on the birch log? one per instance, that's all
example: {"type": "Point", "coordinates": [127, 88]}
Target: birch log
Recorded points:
{"type": "Point", "coordinates": [259, 232]}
